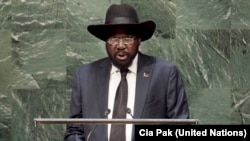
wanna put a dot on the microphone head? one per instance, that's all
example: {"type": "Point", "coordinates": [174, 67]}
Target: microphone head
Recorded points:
{"type": "Point", "coordinates": [107, 112]}
{"type": "Point", "coordinates": [128, 111]}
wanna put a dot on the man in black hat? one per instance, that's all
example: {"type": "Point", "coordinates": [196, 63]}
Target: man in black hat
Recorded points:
{"type": "Point", "coordinates": [148, 87]}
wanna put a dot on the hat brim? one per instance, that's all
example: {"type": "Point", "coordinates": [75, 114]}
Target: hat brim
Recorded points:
{"type": "Point", "coordinates": [102, 31]}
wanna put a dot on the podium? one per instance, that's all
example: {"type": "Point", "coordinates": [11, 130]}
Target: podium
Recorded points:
{"type": "Point", "coordinates": [96, 121]}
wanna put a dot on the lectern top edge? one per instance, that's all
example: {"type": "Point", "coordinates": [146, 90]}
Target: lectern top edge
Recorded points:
{"type": "Point", "coordinates": [116, 121]}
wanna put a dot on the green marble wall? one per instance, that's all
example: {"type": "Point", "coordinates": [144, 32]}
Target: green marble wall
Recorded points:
{"type": "Point", "coordinates": [42, 42]}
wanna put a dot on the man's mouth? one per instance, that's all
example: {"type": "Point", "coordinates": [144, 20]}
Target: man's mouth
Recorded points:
{"type": "Point", "coordinates": [121, 56]}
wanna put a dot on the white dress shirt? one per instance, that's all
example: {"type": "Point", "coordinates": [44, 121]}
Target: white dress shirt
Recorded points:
{"type": "Point", "coordinates": [115, 77]}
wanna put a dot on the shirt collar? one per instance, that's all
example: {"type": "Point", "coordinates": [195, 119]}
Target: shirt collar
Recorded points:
{"type": "Point", "coordinates": [132, 68]}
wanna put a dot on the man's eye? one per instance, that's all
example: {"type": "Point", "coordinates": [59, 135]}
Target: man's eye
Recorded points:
{"type": "Point", "coordinates": [127, 38]}
{"type": "Point", "coordinates": [114, 39]}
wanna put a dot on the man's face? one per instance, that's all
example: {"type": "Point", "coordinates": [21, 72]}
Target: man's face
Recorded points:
{"type": "Point", "coordinates": [122, 47]}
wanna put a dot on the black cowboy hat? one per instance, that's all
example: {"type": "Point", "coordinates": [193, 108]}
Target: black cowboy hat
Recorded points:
{"type": "Point", "coordinates": [124, 16]}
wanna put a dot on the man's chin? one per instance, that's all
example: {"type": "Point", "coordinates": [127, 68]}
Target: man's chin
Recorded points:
{"type": "Point", "coordinates": [122, 63]}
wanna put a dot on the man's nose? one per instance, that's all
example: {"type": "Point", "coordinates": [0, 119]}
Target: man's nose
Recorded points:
{"type": "Point", "coordinates": [120, 44]}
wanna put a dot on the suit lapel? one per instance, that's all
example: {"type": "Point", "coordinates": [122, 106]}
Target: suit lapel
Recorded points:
{"type": "Point", "coordinates": [144, 74]}
{"type": "Point", "coordinates": [102, 80]}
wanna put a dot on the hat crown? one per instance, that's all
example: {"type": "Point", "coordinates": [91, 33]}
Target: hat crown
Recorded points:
{"type": "Point", "coordinates": [121, 14]}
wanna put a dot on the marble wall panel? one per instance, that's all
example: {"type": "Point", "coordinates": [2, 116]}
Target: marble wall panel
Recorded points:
{"type": "Point", "coordinates": [11, 76]}
{"type": "Point", "coordinates": [5, 115]}
{"type": "Point", "coordinates": [5, 58]}
{"type": "Point", "coordinates": [240, 56]}
{"type": "Point", "coordinates": [240, 17]}
{"type": "Point", "coordinates": [33, 14]}
{"type": "Point", "coordinates": [5, 14]}
{"type": "Point", "coordinates": [203, 58]}
{"type": "Point", "coordinates": [240, 68]}
{"type": "Point", "coordinates": [203, 14]}
{"type": "Point", "coordinates": [41, 53]}
{"type": "Point", "coordinates": [40, 103]}
{"type": "Point", "coordinates": [210, 106]}
{"type": "Point", "coordinates": [240, 106]}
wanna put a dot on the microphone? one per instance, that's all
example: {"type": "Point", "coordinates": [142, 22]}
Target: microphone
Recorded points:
{"type": "Point", "coordinates": [128, 111]}
{"type": "Point", "coordinates": [106, 113]}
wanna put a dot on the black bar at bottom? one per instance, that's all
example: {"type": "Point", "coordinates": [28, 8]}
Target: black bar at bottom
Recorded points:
{"type": "Point", "coordinates": [186, 132]}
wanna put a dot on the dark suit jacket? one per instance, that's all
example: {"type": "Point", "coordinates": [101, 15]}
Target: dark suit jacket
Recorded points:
{"type": "Point", "coordinates": [159, 94]}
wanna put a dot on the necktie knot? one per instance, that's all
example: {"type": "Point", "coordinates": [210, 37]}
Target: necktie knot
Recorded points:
{"type": "Point", "coordinates": [124, 72]}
